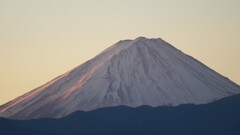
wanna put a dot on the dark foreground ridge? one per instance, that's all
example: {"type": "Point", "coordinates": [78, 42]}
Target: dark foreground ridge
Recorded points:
{"type": "Point", "coordinates": [218, 118]}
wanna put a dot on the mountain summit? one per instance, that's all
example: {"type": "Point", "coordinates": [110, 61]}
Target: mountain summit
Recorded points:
{"type": "Point", "coordinates": [132, 73]}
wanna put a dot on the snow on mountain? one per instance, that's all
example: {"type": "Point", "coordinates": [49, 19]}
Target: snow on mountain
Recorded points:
{"type": "Point", "coordinates": [132, 73]}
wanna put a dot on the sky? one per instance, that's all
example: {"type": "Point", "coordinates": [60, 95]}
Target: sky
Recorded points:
{"type": "Point", "coordinates": [42, 39]}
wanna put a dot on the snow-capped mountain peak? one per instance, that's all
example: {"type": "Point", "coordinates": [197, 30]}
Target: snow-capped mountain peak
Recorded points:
{"type": "Point", "coordinates": [132, 73]}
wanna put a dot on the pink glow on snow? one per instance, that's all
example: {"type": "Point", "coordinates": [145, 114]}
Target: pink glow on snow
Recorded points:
{"type": "Point", "coordinates": [87, 75]}
{"type": "Point", "coordinates": [83, 79]}
{"type": "Point", "coordinates": [29, 95]}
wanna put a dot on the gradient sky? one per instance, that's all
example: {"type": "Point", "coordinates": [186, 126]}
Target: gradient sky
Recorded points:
{"type": "Point", "coordinates": [41, 39]}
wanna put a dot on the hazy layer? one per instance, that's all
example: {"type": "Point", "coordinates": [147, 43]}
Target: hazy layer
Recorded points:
{"type": "Point", "coordinates": [40, 40]}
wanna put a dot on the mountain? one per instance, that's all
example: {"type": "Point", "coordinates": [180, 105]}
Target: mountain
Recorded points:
{"type": "Point", "coordinates": [217, 118]}
{"type": "Point", "coordinates": [131, 73]}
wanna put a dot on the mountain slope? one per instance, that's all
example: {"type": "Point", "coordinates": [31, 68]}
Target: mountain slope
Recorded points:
{"type": "Point", "coordinates": [132, 73]}
{"type": "Point", "coordinates": [217, 118]}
